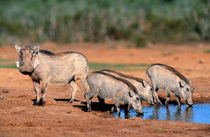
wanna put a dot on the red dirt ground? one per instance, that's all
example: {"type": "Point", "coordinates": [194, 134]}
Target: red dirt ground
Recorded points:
{"type": "Point", "coordinates": [18, 117]}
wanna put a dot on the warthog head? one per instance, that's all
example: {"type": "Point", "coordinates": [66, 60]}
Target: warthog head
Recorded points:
{"type": "Point", "coordinates": [148, 93]}
{"type": "Point", "coordinates": [28, 58]}
{"type": "Point", "coordinates": [135, 102]}
{"type": "Point", "coordinates": [186, 92]}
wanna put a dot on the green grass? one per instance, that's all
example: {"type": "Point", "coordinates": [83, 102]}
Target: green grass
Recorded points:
{"type": "Point", "coordinates": [6, 63]}
{"type": "Point", "coordinates": [122, 67]}
{"type": "Point", "coordinates": [96, 66]}
{"type": "Point", "coordinates": [160, 129]}
{"type": "Point", "coordinates": [8, 66]}
{"type": "Point", "coordinates": [206, 51]}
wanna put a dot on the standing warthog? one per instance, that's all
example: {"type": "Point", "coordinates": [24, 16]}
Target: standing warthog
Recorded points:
{"type": "Point", "coordinates": [142, 86]}
{"type": "Point", "coordinates": [45, 66]}
{"type": "Point", "coordinates": [167, 78]}
{"type": "Point", "coordinates": [108, 86]}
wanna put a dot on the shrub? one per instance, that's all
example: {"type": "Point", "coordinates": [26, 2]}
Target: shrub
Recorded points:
{"type": "Point", "coordinates": [134, 21]}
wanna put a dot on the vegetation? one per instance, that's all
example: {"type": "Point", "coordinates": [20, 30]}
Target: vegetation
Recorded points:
{"type": "Point", "coordinates": [120, 67]}
{"type": "Point", "coordinates": [206, 51]}
{"type": "Point", "coordinates": [135, 21]}
{"type": "Point", "coordinates": [8, 66]}
{"type": "Point", "coordinates": [92, 66]}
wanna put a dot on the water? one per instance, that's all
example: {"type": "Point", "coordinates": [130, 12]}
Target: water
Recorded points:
{"type": "Point", "coordinates": [198, 113]}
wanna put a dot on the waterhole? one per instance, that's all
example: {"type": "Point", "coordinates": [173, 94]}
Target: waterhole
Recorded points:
{"type": "Point", "coordinates": [198, 113]}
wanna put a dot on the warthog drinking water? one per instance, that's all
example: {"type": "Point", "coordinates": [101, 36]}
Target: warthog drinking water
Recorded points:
{"type": "Point", "coordinates": [167, 78]}
{"type": "Point", "coordinates": [142, 86]}
{"type": "Point", "coordinates": [45, 66]}
{"type": "Point", "coordinates": [108, 86]}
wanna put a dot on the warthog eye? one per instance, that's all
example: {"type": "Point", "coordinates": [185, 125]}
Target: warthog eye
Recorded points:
{"type": "Point", "coordinates": [35, 53]}
{"type": "Point", "coordinates": [137, 98]}
{"type": "Point", "coordinates": [188, 89]}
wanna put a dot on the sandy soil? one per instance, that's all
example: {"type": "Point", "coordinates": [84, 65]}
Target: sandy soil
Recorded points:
{"type": "Point", "coordinates": [18, 117]}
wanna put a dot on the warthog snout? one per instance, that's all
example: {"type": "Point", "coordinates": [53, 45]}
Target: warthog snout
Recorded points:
{"type": "Point", "coordinates": [139, 111]}
{"type": "Point", "coordinates": [140, 114]}
{"type": "Point", "coordinates": [25, 70]}
{"type": "Point", "coordinates": [150, 101]}
{"type": "Point", "coordinates": [20, 68]}
{"type": "Point", "coordinates": [190, 103]}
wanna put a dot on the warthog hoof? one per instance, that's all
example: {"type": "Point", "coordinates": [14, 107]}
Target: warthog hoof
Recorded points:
{"type": "Point", "coordinates": [127, 115]}
{"type": "Point", "coordinates": [42, 102]}
{"type": "Point", "coordinates": [140, 114]}
{"type": "Point", "coordinates": [159, 103]}
{"type": "Point", "coordinates": [36, 103]}
{"type": "Point", "coordinates": [190, 105]}
{"type": "Point", "coordinates": [70, 101]}
{"type": "Point", "coordinates": [89, 110]}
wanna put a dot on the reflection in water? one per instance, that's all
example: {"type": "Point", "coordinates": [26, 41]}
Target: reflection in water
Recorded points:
{"type": "Point", "coordinates": [174, 113]}
{"type": "Point", "coordinates": [199, 113]}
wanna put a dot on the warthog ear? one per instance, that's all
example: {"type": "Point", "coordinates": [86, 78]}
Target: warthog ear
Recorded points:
{"type": "Point", "coordinates": [36, 48]}
{"type": "Point", "coordinates": [181, 84]}
{"type": "Point", "coordinates": [131, 94]}
{"type": "Point", "coordinates": [190, 82]}
{"type": "Point", "coordinates": [18, 48]}
{"type": "Point", "coordinates": [144, 83]}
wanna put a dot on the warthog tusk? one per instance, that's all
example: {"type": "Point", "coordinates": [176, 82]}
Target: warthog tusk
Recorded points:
{"type": "Point", "coordinates": [17, 64]}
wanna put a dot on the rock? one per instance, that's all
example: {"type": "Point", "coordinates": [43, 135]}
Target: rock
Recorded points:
{"type": "Point", "coordinates": [2, 98]}
{"type": "Point", "coordinates": [5, 90]}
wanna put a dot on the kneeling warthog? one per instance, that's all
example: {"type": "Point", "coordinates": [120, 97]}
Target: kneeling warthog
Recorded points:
{"type": "Point", "coordinates": [44, 66]}
{"type": "Point", "coordinates": [167, 78]}
{"type": "Point", "coordinates": [108, 86]}
{"type": "Point", "coordinates": [142, 86]}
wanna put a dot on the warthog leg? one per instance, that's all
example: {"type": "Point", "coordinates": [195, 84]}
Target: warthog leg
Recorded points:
{"type": "Point", "coordinates": [178, 100]}
{"type": "Point", "coordinates": [43, 91]}
{"type": "Point", "coordinates": [89, 97]}
{"type": "Point", "coordinates": [155, 94]}
{"type": "Point", "coordinates": [74, 86]}
{"type": "Point", "coordinates": [117, 105]}
{"type": "Point", "coordinates": [37, 90]}
{"type": "Point", "coordinates": [74, 91]}
{"type": "Point", "coordinates": [85, 86]}
{"type": "Point", "coordinates": [167, 97]}
{"type": "Point", "coordinates": [101, 100]}
{"type": "Point", "coordinates": [127, 108]}
{"type": "Point", "coordinates": [88, 105]}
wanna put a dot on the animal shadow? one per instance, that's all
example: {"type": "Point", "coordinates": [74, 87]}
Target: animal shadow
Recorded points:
{"type": "Point", "coordinates": [95, 106]}
{"type": "Point", "coordinates": [65, 99]}
{"type": "Point", "coordinates": [34, 100]}
{"type": "Point", "coordinates": [56, 99]}
{"type": "Point", "coordinates": [170, 102]}
{"type": "Point", "coordinates": [40, 103]}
